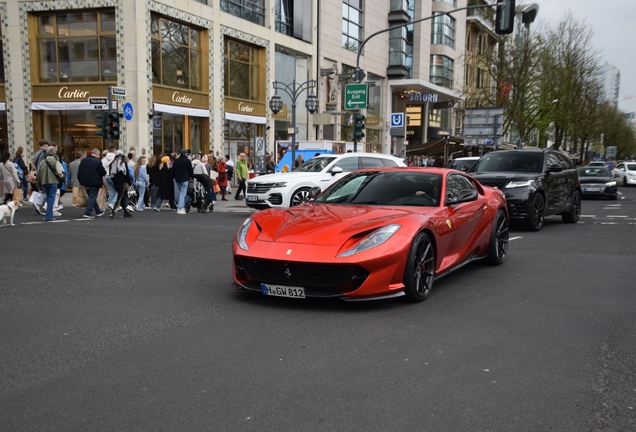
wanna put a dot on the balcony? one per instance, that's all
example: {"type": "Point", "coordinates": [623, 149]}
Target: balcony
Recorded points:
{"type": "Point", "coordinates": [485, 17]}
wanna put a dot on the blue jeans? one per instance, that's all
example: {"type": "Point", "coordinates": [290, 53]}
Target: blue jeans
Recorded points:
{"type": "Point", "coordinates": [141, 188]}
{"type": "Point", "coordinates": [50, 190]}
{"type": "Point", "coordinates": [92, 202]}
{"type": "Point", "coordinates": [112, 193]}
{"type": "Point", "coordinates": [25, 189]}
{"type": "Point", "coordinates": [183, 190]}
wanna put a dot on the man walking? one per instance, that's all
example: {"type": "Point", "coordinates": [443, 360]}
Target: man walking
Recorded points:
{"type": "Point", "coordinates": [241, 175]}
{"type": "Point", "coordinates": [91, 174]}
{"type": "Point", "coordinates": [183, 172]}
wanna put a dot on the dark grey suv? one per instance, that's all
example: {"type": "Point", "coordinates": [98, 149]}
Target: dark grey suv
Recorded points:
{"type": "Point", "coordinates": [535, 182]}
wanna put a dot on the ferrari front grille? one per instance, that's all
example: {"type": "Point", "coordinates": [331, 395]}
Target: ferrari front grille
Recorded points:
{"type": "Point", "coordinates": [327, 277]}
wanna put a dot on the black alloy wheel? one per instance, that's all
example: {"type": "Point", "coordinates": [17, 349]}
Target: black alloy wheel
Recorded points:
{"type": "Point", "coordinates": [498, 247]}
{"type": "Point", "coordinates": [420, 269]}
{"type": "Point", "coordinates": [537, 213]}
{"type": "Point", "coordinates": [299, 197]}
{"type": "Point", "coordinates": [573, 215]}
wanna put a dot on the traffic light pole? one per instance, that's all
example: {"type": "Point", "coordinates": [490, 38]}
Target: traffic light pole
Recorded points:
{"type": "Point", "coordinates": [109, 110]}
{"type": "Point", "coordinates": [356, 111]}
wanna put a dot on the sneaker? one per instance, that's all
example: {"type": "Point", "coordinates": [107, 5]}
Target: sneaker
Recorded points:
{"type": "Point", "coordinates": [38, 209]}
{"type": "Point", "coordinates": [59, 207]}
{"type": "Point", "coordinates": [181, 212]}
{"type": "Point", "coordinates": [140, 209]}
{"type": "Point", "coordinates": [168, 205]}
{"type": "Point", "coordinates": [117, 209]}
{"type": "Point", "coordinates": [100, 214]}
{"type": "Point", "coordinates": [89, 216]}
{"type": "Point", "coordinates": [130, 208]}
{"type": "Point", "coordinates": [156, 209]}
{"type": "Point", "coordinates": [110, 206]}
{"type": "Point", "coordinates": [57, 213]}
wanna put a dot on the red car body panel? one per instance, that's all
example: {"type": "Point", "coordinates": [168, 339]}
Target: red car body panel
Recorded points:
{"type": "Point", "coordinates": [314, 234]}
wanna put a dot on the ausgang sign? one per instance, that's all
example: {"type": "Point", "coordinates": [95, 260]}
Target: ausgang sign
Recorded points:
{"type": "Point", "coordinates": [356, 96]}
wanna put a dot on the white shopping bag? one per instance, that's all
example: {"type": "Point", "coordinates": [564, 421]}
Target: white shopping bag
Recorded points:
{"type": "Point", "coordinates": [37, 198]}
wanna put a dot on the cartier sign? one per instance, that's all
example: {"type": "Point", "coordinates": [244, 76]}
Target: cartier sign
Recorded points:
{"type": "Point", "coordinates": [65, 93]}
{"type": "Point", "coordinates": [243, 107]}
{"type": "Point", "coordinates": [181, 99]}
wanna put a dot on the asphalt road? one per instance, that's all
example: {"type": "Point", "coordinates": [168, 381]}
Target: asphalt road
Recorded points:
{"type": "Point", "coordinates": [125, 325]}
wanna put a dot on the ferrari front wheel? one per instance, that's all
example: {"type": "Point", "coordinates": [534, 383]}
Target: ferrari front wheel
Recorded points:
{"type": "Point", "coordinates": [498, 247]}
{"type": "Point", "coordinates": [420, 269]}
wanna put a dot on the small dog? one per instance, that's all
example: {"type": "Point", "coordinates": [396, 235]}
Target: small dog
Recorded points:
{"type": "Point", "coordinates": [8, 211]}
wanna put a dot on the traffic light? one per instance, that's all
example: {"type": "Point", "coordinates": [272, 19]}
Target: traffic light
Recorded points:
{"type": "Point", "coordinates": [102, 125]}
{"type": "Point", "coordinates": [113, 124]}
{"type": "Point", "coordinates": [358, 127]}
{"type": "Point", "coordinates": [505, 19]}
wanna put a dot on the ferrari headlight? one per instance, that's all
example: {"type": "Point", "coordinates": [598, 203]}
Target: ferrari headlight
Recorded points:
{"type": "Point", "coordinates": [279, 185]}
{"type": "Point", "coordinates": [241, 234]}
{"type": "Point", "coordinates": [374, 239]}
{"type": "Point", "coordinates": [610, 183]}
{"type": "Point", "coordinates": [514, 184]}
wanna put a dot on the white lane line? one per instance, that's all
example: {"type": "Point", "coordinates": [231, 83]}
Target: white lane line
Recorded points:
{"type": "Point", "coordinates": [82, 219]}
{"type": "Point", "coordinates": [612, 208]}
{"type": "Point", "coordinates": [616, 216]}
{"type": "Point", "coordinates": [589, 216]}
{"type": "Point", "coordinates": [31, 223]}
{"type": "Point", "coordinates": [620, 193]}
{"type": "Point", "coordinates": [608, 223]}
{"type": "Point", "coordinates": [515, 238]}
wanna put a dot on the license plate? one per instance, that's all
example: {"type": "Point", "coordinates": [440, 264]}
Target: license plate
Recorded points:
{"type": "Point", "coordinates": [591, 189]}
{"type": "Point", "coordinates": [252, 197]}
{"type": "Point", "coordinates": [283, 291]}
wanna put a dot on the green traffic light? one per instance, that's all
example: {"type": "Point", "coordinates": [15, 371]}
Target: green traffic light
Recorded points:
{"type": "Point", "coordinates": [102, 125]}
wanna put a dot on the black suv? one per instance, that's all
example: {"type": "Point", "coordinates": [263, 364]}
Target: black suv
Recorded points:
{"type": "Point", "coordinates": [536, 183]}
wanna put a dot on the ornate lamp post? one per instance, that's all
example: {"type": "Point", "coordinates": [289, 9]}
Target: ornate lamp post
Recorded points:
{"type": "Point", "coordinates": [294, 90]}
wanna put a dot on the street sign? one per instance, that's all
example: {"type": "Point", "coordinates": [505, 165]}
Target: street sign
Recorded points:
{"type": "Point", "coordinates": [358, 75]}
{"type": "Point", "coordinates": [98, 101]}
{"type": "Point", "coordinates": [475, 142]}
{"type": "Point", "coordinates": [443, 133]}
{"type": "Point", "coordinates": [118, 91]}
{"type": "Point", "coordinates": [484, 120]}
{"type": "Point", "coordinates": [128, 111]}
{"type": "Point", "coordinates": [356, 96]}
{"type": "Point", "coordinates": [477, 131]}
{"type": "Point", "coordinates": [397, 119]}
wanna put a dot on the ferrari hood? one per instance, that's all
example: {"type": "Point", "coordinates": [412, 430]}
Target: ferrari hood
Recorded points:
{"type": "Point", "coordinates": [324, 224]}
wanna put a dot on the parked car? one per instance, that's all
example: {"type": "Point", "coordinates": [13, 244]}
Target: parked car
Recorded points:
{"type": "Point", "coordinates": [597, 181]}
{"type": "Point", "coordinates": [463, 163]}
{"type": "Point", "coordinates": [625, 173]}
{"type": "Point", "coordinates": [536, 183]}
{"type": "Point", "coordinates": [597, 164]}
{"type": "Point", "coordinates": [379, 233]}
{"type": "Point", "coordinates": [292, 188]}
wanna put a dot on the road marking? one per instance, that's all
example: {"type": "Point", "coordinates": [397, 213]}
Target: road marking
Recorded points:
{"type": "Point", "coordinates": [608, 223]}
{"type": "Point", "coordinates": [515, 238]}
{"type": "Point", "coordinates": [616, 216]}
{"type": "Point", "coordinates": [612, 208]}
{"type": "Point", "coordinates": [590, 216]}
{"type": "Point", "coordinates": [614, 205]}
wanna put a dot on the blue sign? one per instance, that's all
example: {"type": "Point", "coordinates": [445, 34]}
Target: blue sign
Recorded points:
{"type": "Point", "coordinates": [397, 119]}
{"type": "Point", "coordinates": [128, 111]}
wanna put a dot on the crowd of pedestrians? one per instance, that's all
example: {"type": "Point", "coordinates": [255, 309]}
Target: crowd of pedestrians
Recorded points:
{"type": "Point", "coordinates": [110, 178]}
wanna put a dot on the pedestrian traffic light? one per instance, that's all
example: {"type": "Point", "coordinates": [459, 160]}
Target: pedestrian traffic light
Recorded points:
{"type": "Point", "coordinates": [103, 122]}
{"type": "Point", "coordinates": [505, 18]}
{"type": "Point", "coordinates": [358, 127]}
{"type": "Point", "coordinates": [113, 124]}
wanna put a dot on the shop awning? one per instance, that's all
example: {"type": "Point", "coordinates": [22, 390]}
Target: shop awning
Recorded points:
{"type": "Point", "coordinates": [65, 106]}
{"type": "Point", "coordinates": [245, 118]}
{"type": "Point", "coordinates": [435, 147]}
{"type": "Point", "coordinates": [173, 109]}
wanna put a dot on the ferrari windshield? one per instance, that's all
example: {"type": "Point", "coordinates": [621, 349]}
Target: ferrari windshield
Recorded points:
{"type": "Point", "coordinates": [395, 188]}
{"type": "Point", "coordinates": [523, 162]}
{"type": "Point", "coordinates": [315, 164]}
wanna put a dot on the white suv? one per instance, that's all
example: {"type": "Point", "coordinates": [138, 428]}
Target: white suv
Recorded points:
{"type": "Point", "coordinates": [625, 173]}
{"type": "Point", "coordinates": [282, 190]}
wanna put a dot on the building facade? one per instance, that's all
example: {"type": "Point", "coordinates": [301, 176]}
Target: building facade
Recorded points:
{"type": "Point", "coordinates": [611, 77]}
{"type": "Point", "coordinates": [199, 74]}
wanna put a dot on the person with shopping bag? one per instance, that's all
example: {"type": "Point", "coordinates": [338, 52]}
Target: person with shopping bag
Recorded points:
{"type": "Point", "coordinates": [49, 175]}
{"type": "Point", "coordinates": [90, 175]}
{"type": "Point", "coordinates": [10, 177]}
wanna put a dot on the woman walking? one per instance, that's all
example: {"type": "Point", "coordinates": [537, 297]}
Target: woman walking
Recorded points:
{"type": "Point", "coordinates": [164, 184]}
{"type": "Point", "coordinates": [49, 175]}
{"type": "Point", "coordinates": [118, 170]}
{"type": "Point", "coordinates": [10, 177]}
{"type": "Point", "coordinates": [222, 179]}
{"type": "Point", "coordinates": [19, 161]}
{"type": "Point", "coordinates": [141, 181]}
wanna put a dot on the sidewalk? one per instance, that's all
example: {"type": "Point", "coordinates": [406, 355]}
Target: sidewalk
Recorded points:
{"type": "Point", "coordinates": [232, 206]}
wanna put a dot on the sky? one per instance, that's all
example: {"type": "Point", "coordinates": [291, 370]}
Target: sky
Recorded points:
{"type": "Point", "coordinates": [614, 25]}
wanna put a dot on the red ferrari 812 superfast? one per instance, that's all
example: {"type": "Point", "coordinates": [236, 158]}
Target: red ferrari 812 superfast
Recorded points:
{"type": "Point", "coordinates": [376, 233]}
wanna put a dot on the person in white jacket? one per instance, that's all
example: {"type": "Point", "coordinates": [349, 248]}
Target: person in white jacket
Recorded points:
{"type": "Point", "coordinates": [112, 193]}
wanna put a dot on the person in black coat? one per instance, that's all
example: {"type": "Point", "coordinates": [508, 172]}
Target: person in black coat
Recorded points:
{"type": "Point", "coordinates": [183, 172]}
{"type": "Point", "coordinates": [164, 183]}
{"type": "Point", "coordinates": [118, 170]}
{"type": "Point", "coordinates": [91, 174]}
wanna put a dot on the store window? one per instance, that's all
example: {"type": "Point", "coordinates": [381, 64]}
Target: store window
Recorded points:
{"type": "Point", "coordinates": [443, 32]}
{"type": "Point", "coordinates": [243, 70]}
{"type": "Point", "coordinates": [439, 118]}
{"type": "Point", "coordinates": [172, 132]}
{"type": "Point", "coordinates": [450, 2]}
{"type": "Point", "coordinates": [442, 70]}
{"type": "Point", "coordinates": [284, 17]}
{"type": "Point", "coordinates": [177, 54]}
{"type": "Point", "coordinates": [76, 46]}
{"type": "Point", "coordinates": [352, 24]}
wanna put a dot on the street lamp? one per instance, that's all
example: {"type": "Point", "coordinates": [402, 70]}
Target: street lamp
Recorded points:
{"type": "Point", "coordinates": [294, 90]}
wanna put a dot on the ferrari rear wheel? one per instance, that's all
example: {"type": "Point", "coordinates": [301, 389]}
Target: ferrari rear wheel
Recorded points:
{"type": "Point", "coordinates": [498, 247]}
{"type": "Point", "coordinates": [299, 197]}
{"type": "Point", "coordinates": [420, 269]}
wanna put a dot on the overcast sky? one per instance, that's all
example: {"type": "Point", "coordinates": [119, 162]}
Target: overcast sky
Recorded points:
{"type": "Point", "coordinates": [614, 26]}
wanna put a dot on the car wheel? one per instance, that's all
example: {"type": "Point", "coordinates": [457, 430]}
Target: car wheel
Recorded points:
{"type": "Point", "coordinates": [299, 197]}
{"type": "Point", "coordinates": [498, 247]}
{"type": "Point", "coordinates": [573, 215]}
{"type": "Point", "coordinates": [537, 213]}
{"type": "Point", "coordinates": [420, 269]}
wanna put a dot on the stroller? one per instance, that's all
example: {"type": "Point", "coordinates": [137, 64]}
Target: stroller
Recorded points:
{"type": "Point", "coordinates": [197, 197]}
